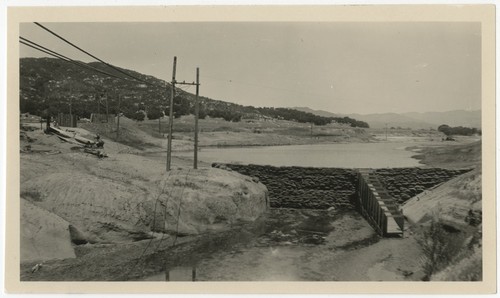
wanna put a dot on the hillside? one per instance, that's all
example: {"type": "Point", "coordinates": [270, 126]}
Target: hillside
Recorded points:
{"type": "Point", "coordinates": [412, 120]}
{"type": "Point", "coordinates": [52, 86]}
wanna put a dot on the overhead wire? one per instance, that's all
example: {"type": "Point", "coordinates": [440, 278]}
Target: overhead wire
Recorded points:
{"type": "Point", "coordinates": [52, 53]}
{"type": "Point", "coordinates": [93, 56]}
{"type": "Point", "coordinates": [151, 84]}
{"type": "Point", "coordinates": [60, 56]}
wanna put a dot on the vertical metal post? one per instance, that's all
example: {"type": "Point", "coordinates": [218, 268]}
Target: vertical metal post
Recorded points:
{"type": "Point", "coordinates": [170, 118]}
{"type": "Point", "coordinates": [196, 115]}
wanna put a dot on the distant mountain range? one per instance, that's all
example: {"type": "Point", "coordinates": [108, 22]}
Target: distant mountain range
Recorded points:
{"type": "Point", "coordinates": [412, 120]}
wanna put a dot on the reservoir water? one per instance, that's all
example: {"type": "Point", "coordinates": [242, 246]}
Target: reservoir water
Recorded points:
{"type": "Point", "coordinates": [349, 155]}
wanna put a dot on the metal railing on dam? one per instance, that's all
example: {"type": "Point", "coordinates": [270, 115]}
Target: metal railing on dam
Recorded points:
{"type": "Point", "coordinates": [377, 206]}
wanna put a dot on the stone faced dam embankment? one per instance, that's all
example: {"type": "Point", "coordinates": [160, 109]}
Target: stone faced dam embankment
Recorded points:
{"type": "Point", "coordinates": [376, 193]}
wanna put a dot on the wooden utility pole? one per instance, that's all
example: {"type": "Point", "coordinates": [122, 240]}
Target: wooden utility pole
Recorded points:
{"type": "Point", "coordinates": [70, 107]}
{"type": "Point", "coordinates": [98, 98]}
{"type": "Point", "coordinates": [170, 117]}
{"type": "Point", "coordinates": [70, 101]}
{"type": "Point", "coordinates": [107, 110]}
{"type": "Point", "coordinates": [159, 125]}
{"type": "Point", "coordinates": [196, 113]}
{"type": "Point", "coordinates": [118, 120]}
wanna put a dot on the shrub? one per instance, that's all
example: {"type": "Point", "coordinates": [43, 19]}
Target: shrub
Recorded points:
{"type": "Point", "coordinates": [459, 130]}
{"type": "Point", "coordinates": [139, 116]}
{"type": "Point", "coordinates": [439, 247]}
{"type": "Point", "coordinates": [155, 113]}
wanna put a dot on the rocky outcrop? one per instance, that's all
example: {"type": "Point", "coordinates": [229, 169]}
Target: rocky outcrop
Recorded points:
{"type": "Point", "coordinates": [194, 201]}
{"type": "Point", "coordinates": [181, 201]}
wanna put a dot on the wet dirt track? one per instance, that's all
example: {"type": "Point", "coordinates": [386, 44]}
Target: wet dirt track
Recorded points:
{"type": "Point", "coordinates": [304, 245]}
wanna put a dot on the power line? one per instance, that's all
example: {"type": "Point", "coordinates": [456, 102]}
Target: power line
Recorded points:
{"type": "Point", "coordinates": [40, 48]}
{"type": "Point", "coordinates": [82, 50]}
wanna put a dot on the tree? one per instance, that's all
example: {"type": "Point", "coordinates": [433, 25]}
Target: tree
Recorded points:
{"type": "Point", "coordinates": [445, 129]}
{"type": "Point", "coordinates": [459, 130]}
{"type": "Point", "coordinates": [181, 106]}
{"type": "Point", "coordinates": [202, 113]}
{"type": "Point", "coordinates": [139, 116]}
{"type": "Point", "coordinates": [154, 113]}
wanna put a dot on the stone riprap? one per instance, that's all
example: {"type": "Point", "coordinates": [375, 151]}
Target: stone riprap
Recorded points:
{"type": "Point", "coordinates": [303, 188]}
{"type": "Point", "coordinates": [405, 183]}
{"type": "Point", "coordinates": [322, 188]}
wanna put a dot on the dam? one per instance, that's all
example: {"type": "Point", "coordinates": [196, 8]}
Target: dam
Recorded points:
{"type": "Point", "coordinates": [374, 193]}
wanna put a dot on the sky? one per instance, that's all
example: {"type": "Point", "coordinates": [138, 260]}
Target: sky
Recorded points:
{"type": "Point", "coordinates": [340, 67]}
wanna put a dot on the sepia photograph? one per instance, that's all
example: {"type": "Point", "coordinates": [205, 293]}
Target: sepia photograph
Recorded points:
{"type": "Point", "coordinates": [251, 150]}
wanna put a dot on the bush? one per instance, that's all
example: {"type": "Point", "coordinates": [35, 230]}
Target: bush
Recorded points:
{"type": "Point", "coordinates": [139, 116]}
{"type": "Point", "coordinates": [155, 113]}
{"type": "Point", "coordinates": [459, 130]}
{"type": "Point", "coordinates": [181, 106]}
{"type": "Point", "coordinates": [439, 247]}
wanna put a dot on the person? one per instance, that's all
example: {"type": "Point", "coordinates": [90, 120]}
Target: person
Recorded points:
{"type": "Point", "coordinates": [98, 142]}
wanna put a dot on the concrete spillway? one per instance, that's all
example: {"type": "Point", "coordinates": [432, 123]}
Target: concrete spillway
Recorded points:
{"type": "Point", "coordinates": [377, 206]}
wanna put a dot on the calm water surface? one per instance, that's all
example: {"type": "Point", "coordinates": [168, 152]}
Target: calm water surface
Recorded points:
{"type": "Point", "coordinates": [351, 155]}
